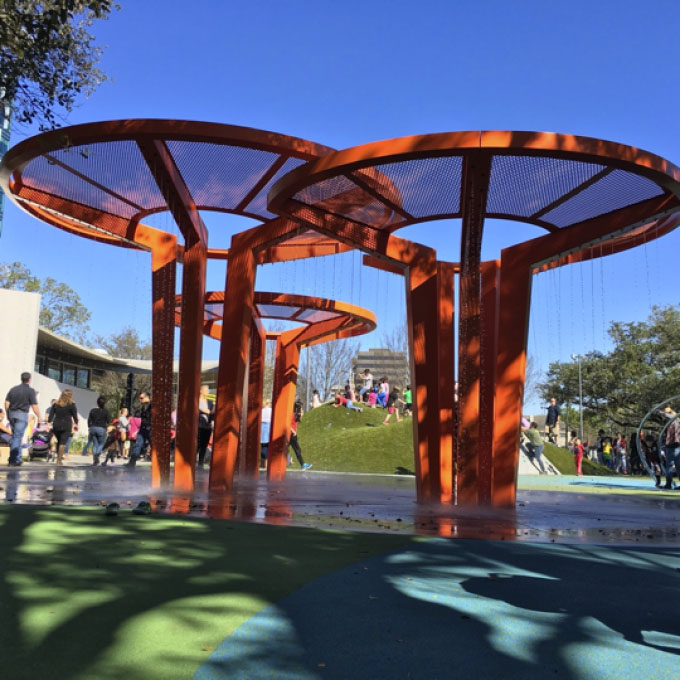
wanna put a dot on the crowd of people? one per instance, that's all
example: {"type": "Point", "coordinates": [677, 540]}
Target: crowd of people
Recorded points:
{"type": "Point", "coordinates": [618, 452]}
{"type": "Point", "coordinates": [125, 436]}
{"type": "Point", "coordinates": [373, 394]}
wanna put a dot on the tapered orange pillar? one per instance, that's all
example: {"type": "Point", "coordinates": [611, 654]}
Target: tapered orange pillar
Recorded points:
{"type": "Point", "coordinates": [487, 391]}
{"type": "Point", "coordinates": [238, 317]}
{"type": "Point", "coordinates": [513, 322]}
{"type": "Point", "coordinates": [423, 321]}
{"type": "Point", "coordinates": [283, 400]}
{"type": "Point", "coordinates": [446, 371]}
{"type": "Point", "coordinates": [254, 410]}
{"type": "Point", "coordinates": [190, 352]}
{"type": "Point", "coordinates": [163, 274]}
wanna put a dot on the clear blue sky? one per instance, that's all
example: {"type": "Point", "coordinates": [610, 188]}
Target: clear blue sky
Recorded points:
{"type": "Point", "coordinates": [344, 73]}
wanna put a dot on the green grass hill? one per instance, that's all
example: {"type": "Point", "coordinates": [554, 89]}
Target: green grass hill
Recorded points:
{"type": "Point", "coordinates": [341, 440]}
{"type": "Point", "coordinates": [563, 460]}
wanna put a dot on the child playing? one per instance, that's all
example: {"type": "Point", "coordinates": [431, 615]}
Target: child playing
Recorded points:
{"type": "Point", "coordinates": [408, 401]}
{"type": "Point", "coordinates": [112, 443]}
{"type": "Point", "coordinates": [341, 400]}
{"type": "Point", "coordinates": [578, 455]}
{"type": "Point", "coordinates": [392, 405]}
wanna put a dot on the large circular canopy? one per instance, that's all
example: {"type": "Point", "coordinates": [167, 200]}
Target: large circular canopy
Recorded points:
{"type": "Point", "coordinates": [101, 179]}
{"type": "Point", "coordinates": [549, 180]}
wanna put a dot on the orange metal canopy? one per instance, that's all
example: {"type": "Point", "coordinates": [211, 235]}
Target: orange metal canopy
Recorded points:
{"type": "Point", "coordinates": [100, 180]}
{"type": "Point", "coordinates": [549, 180]}
{"type": "Point", "coordinates": [321, 319]}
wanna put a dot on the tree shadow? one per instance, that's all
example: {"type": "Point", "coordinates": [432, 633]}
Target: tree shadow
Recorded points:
{"type": "Point", "coordinates": [444, 609]}
{"type": "Point", "coordinates": [84, 595]}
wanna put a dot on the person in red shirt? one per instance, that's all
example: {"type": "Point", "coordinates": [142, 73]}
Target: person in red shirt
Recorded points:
{"type": "Point", "coordinates": [293, 441]}
{"type": "Point", "coordinates": [341, 400]}
{"type": "Point", "coordinates": [578, 455]}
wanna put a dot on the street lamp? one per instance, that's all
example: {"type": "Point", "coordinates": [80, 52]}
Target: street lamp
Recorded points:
{"type": "Point", "coordinates": [577, 357]}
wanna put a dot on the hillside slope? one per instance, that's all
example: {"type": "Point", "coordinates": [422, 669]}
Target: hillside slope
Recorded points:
{"type": "Point", "coordinates": [341, 440]}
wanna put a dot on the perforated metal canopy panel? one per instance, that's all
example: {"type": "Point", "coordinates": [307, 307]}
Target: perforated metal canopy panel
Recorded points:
{"type": "Point", "coordinates": [101, 170]}
{"type": "Point", "coordinates": [552, 181]}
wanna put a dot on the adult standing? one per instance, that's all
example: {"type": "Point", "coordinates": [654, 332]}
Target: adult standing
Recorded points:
{"type": "Point", "coordinates": [97, 422]}
{"type": "Point", "coordinates": [205, 423]}
{"type": "Point", "coordinates": [672, 449]}
{"type": "Point", "coordinates": [552, 421]}
{"type": "Point", "coordinates": [64, 419]}
{"type": "Point", "coordinates": [18, 402]}
{"type": "Point", "coordinates": [144, 432]}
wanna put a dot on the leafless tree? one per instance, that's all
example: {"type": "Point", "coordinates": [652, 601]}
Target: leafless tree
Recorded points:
{"type": "Point", "coordinates": [329, 365]}
{"type": "Point", "coordinates": [532, 379]}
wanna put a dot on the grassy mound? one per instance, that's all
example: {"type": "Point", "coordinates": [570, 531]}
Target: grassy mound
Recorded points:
{"type": "Point", "coordinates": [341, 440]}
{"type": "Point", "coordinates": [564, 461]}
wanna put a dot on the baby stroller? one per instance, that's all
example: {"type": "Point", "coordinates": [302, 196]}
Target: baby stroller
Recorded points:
{"type": "Point", "coordinates": [40, 444]}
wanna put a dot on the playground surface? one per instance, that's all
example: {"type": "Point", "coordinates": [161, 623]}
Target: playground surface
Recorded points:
{"type": "Point", "coordinates": [334, 576]}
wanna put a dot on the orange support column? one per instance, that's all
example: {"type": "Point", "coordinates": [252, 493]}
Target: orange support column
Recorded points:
{"type": "Point", "coordinates": [423, 322]}
{"type": "Point", "coordinates": [283, 400]}
{"type": "Point", "coordinates": [476, 172]}
{"type": "Point", "coordinates": [254, 410]}
{"type": "Point", "coordinates": [237, 320]}
{"type": "Point", "coordinates": [513, 323]}
{"type": "Point", "coordinates": [190, 353]}
{"type": "Point", "coordinates": [487, 390]}
{"type": "Point", "coordinates": [163, 275]}
{"type": "Point", "coordinates": [445, 271]}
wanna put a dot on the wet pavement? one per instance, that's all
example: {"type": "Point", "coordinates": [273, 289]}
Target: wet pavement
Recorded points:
{"type": "Point", "coordinates": [611, 510]}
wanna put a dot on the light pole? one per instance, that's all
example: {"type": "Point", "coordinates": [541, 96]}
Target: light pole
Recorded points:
{"type": "Point", "coordinates": [577, 357]}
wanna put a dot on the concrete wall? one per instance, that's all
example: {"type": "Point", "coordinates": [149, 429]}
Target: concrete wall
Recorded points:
{"type": "Point", "coordinates": [19, 314]}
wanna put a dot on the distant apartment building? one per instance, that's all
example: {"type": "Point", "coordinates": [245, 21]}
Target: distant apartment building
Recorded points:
{"type": "Point", "coordinates": [382, 362]}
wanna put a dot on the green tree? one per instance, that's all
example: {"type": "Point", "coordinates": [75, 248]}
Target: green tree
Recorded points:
{"type": "Point", "coordinates": [61, 309]}
{"type": "Point", "coordinates": [620, 387]}
{"type": "Point", "coordinates": [112, 385]}
{"type": "Point", "coordinates": [48, 57]}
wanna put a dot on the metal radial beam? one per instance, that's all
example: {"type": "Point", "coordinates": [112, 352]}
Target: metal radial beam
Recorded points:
{"type": "Point", "coordinates": [183, 208]}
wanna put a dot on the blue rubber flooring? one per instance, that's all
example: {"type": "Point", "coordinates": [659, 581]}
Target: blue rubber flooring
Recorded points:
{"type": "Point", "coordinates": [442, 609]}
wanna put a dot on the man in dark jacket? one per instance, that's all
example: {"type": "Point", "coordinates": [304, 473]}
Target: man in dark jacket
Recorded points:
{"type": "Point", "coordinates": [144, 434]}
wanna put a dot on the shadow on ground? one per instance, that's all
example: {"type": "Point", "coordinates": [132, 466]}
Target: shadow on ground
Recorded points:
{"type": "Point", "coordinates": [444, 609]}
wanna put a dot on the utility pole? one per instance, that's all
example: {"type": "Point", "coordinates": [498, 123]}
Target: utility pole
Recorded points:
{"type": "Point", "coordinates": [577, 357]}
